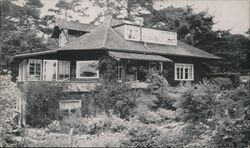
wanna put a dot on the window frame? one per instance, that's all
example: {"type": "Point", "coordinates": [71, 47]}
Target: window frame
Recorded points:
{"type": "Point", "coordinates": [78, 70]}
{"type": "Point", "coordinates": [41, 69]}
{"type": "Point", "coordinates": [151, 65]}
{"type": "Point", "coordinates": [182, 72]}
{"type": "Point", "coordinates": [69, 101]}
{"type": "Point", "coordinates": [47, 60]}
{"type": "Point", "coordinates": [137, 36]}
{"type": "Point", "coordinates": [58, 73]}
{"type": "Point", "coordinates": [119, 73]}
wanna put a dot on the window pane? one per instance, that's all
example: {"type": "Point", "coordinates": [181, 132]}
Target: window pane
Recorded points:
{"type": "Point", "coordinates": [35, 69]}
{"type": "Point", "coordinates": [64, 70]}
{"type": "Point", "coordinates": [119, 72]}
{"type": "Point", "coordinates": [87, 69]}
{"type": "Point", "coordinates": [178, 73]}
{"type": "Point", "coordinates": [186, 73]}
{"type": "Point", "coordinates": [50, 70]}
{"type": "Point", "coordinates": [181, 73]}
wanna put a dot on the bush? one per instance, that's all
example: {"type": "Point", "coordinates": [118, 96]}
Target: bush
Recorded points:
{"type": "Point", "coordinates": [92, 125]}
{"type": "Point", "coordinates": [43, 103]}
{"type": "Point", "coordinates": [9, 94]}
{"type": "Point", "coordinates": [233, 129]}
{"type": "Point", "coordinates": [234, 77]}
{"type": "Point", "coordinates": [224, 83]}
{"type": "Point", "coordinates": [141, 136]}
{"type": "Point", "coordinates": [117, 98]}
{"type": "Point", "coordinates": [198, 102]}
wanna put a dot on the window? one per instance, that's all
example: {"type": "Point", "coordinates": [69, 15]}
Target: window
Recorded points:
{"type": "Point", "coordinates": [131, 71]}
{"type": "Point", "coordinates": [156, 66]}
{"type": "Point", "coordinates": [64, 70]}
{"type": "Point", "coordinates": [20, 72]}
{"type": "Point", "coordinates": [184, 72]}
{"type": "Point", "coordinates": [50, 70]}
{"type": "Point", "coordinates": [132, 33]}
{"type": "Point", "coordinates": [87, 69]}
{"type": "Point", "coordinates": [35, 67]}
{"type": "Point", "coordinates": [70, 106]}
{"type": "Point", "coordinates": [119, 72]}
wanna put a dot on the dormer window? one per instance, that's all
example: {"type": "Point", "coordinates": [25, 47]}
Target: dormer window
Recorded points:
{"type": "Point", "coordinates": [132, 32]}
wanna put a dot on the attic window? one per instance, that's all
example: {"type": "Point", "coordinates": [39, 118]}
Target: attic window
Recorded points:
{"type": "Point", "coordinates": [132, 33]}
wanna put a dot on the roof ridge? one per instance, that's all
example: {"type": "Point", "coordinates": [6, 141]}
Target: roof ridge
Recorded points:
{"type": "Point", "coordinates": [107, 25]}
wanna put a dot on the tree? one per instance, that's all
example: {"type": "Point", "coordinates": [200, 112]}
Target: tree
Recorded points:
{"type": "Point", "coordinates": [19, 28]}
{"type": "Point", "coordinates": [189, 26]}
{"type": "Point", "coordinates": [64, 6]}
{"type": "Point", "coordinates": [127, 9]}
{"type": "Point", "coordinates": [196, 29]}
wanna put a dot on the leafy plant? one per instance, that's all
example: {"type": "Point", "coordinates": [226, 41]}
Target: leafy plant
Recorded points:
{"type": "Point", "coordinates": [43, 103]}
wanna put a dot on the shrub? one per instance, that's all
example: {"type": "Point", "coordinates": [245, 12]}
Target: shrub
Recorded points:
{"type": "Point", "coordinates": [43, 103]}
{"type": "Point", "coordinates": [234, 77]}
{"type": "Point", "coordinates": [233, 129]}
{"type": "Point", "coordinates": [117, 98]}
{"type": "Point", "coordinates": [141, 136]}
{"type": "Point", "coordinates": [224, 83]}
{"type": "Point", "coordinates": [198, 102]}
{"type": "Point", "coordinates": [92, 125]}
{"type": "Point", "coordinates": [9, 94]}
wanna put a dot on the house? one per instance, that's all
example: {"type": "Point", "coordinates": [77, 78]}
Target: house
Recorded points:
{"type": "Point", "coordinates": [132, 46]}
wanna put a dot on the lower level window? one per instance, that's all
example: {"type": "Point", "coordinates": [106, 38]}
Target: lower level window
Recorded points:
{"type": "Point", "coordinates": [70, 106]}
{"type": "Point", "coordinates": [35, 67]}
{"type": "Point", "coordinates": [184, 72]}
{"type": "Point", "coordinates": [87, 69]}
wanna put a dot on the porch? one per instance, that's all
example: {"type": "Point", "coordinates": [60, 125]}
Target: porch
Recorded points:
{"type": "Point", "coordinates": [81, 74]}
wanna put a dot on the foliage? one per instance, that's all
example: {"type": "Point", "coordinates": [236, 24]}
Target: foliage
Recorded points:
{"type": "Point", "coordinates": [20, 26]}
{"type": "Point", "coordinates": [189, 26]}
{"type": "Point", "coordinates": [224, 83]}
{"type": "Point", "coordinates": [233, 128]}
{"type": "Point", "coordinates": [92, 125]}
{"type": "Point", "coordinates": [141, 136]}
{"type": "Point", "coordinates": [9, 94]}
{"type": "Point", "coordinates": [132, 8]}
{"type": "Point", "coordinates": [198, 102]}
{"type": "Point", "coordinates": [234, 77]}
{"type": "Point", "coordinates": [107, 66]}
{"type": "Point", "coordinates": [196, 29]}
{"type": "Point", "coordinates": [66, 6]}
{"type": "Point", "coordinates": [43, 103]}
{"type": "Point", "coordinates": [117, 98]}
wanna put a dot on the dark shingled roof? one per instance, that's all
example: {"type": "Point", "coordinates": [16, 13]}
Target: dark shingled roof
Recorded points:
{"type": "Point", "coordinates": [105, 37]}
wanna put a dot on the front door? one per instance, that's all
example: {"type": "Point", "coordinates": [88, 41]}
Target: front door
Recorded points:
{"type": "Point", "coordinates": [50, 70]}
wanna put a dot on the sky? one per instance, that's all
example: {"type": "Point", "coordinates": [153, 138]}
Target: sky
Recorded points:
{"type": "Point", "coordinates": [228, 14]}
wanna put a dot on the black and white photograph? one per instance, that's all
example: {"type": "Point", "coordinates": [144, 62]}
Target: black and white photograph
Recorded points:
{"type": "Point", "coordinates": [125, 73]}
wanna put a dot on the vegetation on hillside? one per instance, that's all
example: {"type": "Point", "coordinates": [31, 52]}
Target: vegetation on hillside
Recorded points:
{"type": "Point", "coordinates": [189, 115]}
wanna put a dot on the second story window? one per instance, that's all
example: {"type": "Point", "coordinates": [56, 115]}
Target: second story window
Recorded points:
{"type": "Point", "coordinates": [87, 69]}
{"type": "Point", "coordinates": [132, 33]}
{"type": "Point", "coordinates": [35, 67]}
